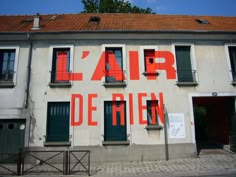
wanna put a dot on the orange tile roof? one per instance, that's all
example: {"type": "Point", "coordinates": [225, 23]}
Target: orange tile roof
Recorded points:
{"type": "Point", "coordinates": [116, 22]}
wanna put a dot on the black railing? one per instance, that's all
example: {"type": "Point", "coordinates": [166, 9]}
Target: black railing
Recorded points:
{"type": "Point", "coordinates": [233, 76]}
{"type": "Point", "coordinates": [64, 77]}
{"type": "Point", "coordinates": [7, 76]}
{"type": "Point", "coordinates": [79, 161]}
{"type": "Point", "coordinates": [45, 162]}
{"type": "Point", "coordinates": [10, 164]}
{"type": "Point", "coordinates": [186, 75]}
{"type": "Point", "coordinates": [111, 76]}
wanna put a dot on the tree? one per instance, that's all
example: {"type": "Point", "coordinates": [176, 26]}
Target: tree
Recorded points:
{"type": "Point", "coordinates": [112, 6]}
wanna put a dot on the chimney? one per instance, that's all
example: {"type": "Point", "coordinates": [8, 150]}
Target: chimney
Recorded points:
{"type": "Point", "coordinates": [36, 22]}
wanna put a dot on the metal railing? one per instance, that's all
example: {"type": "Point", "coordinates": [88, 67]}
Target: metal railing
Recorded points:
{"type": "Point", "coordinates": [186, 75]}
{"type": "Point", "coordinates": [113, 76]}
{"type": "Point", "coordinates": [7, 76]}
{"type": "Point", "coordinates": [233, 76]}
{"type": "Point", "coordinates": [79, 161]}
{"type": "Point", "coordinates": [64, 77]}
{"type": "Point", "coordinates": [45, 162]}
{"type": "Point", "coordinates": [10, 164]}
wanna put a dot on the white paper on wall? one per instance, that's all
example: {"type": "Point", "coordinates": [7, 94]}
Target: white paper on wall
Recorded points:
{"type": "Point", "coordinates": [176, 125]}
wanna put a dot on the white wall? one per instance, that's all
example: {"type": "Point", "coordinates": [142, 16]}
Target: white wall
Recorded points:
{"type": "Point", "coordinates": [212, 72]}
{"type": "Point", "coordinates": [13, 99]}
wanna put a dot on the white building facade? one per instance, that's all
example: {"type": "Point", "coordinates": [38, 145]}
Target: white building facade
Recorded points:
{"type": "Point", "coordinates": [124, 95]}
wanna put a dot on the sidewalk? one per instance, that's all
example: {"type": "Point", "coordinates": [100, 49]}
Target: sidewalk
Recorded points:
{"type": "Point", "coordinates": [208, 163]}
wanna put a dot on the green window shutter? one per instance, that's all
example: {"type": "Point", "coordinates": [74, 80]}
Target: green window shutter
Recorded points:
{"type": "Point", "coordinates": [183, 61]}
{"type": "Point", "coordinates": [232, 55]}
{"type": "Point", "coordinates": [58, 122]}
{"type": "Point", "coordinates": [114, 133]}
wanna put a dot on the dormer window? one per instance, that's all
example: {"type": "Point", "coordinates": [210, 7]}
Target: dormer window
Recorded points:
{"type": "Point", "coordinates": [94, 19]}
{"type": "Point", "coordinates": [202, 21]}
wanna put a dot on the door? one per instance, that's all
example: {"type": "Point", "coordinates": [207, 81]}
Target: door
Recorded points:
{"type": "Point", "coordinates": [12, 134]}
{"type": "Point", "coordinates": [114, 132]}
{"type": "Point", "coordinates": [58, 122]}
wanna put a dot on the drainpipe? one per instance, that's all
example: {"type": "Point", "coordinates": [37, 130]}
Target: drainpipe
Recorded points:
{"type": "Point", "coordinates": [28, 82]}
{"type": "Point", "coordinates": [28, 70]}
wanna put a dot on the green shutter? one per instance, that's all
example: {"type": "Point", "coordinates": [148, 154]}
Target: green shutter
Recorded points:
{"type": "Point", "coordinates": [114, 133]}
{"type": "Point", "coordinates": [232, 55]}
{"type": "Point", "coordinates": [184, 68]}
{"type": "Point", "coordinates": [58, 122]}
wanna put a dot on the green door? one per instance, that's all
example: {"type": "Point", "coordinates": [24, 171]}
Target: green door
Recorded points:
{"type": "Point", "coordinates": [58, 122]}
{"type": "Point", "coordinates": [12, 134]}
{"type": "Point", "coordinates": [117, 132]}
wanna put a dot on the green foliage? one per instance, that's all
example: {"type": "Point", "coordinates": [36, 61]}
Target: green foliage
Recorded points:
{"type": "Point", "coordinates": [112, 6]}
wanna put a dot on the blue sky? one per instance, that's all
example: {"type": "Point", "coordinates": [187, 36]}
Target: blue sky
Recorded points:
{"type": "Point", "coordinates": [185, 7]}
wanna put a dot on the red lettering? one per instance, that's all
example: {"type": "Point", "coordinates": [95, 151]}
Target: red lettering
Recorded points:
{"type": "Point", "coordinates": [118, 109]}
{"type": "Point", "coordinates": [108, 66]}
{"type": "Point", "coordinates": [131, 110]}
{"type": "Point", "coordinates": [161, 108]}
{"type": "Point", "coordinates": [141, 107]}
{"type": "Point", "coordinates": [85, 54]}
{"type": "Point", "coordinates": [91, 108]}
{"type": "Point", "coordinates": [61, 72]}
{"type": "Point", "coordinates": [134, 65]}
{"type": "Point", "coordinates": [80, 118]}
{"type": "Point", "coordinates": [168, 65]}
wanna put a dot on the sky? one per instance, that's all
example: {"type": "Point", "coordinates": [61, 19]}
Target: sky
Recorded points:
{"type": "Point", "coordinates": [177, 7]}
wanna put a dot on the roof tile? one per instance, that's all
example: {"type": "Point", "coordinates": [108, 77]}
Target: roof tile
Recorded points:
{"type": "Point", "coordinates": [116, 22]}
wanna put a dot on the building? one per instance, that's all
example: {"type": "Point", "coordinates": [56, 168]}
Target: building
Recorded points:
{"type": "Point", "coordinates": [109, 82]}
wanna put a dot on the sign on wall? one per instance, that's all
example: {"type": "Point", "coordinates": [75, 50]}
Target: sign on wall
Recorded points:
{"type": "Point", "coordinates": [176, 125]}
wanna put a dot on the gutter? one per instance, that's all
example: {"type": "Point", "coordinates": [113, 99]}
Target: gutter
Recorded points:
{"type": "Point", "coordinates": [123, 31]}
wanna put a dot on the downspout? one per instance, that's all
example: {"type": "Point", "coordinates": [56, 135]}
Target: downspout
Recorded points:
{"type": "Point", "coordinates": [28, 70]}
{"type": "Point", "coordinates": [28, 83]}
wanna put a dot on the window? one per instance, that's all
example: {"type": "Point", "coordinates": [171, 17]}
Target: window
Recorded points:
{"type": "Point", "coordinates": [152, 114]}
{"type": "Point", "coordinates": [149, 56]}
{"type": "Point", "coordinates": [232, 57]}
{"type": "Point", "coordinates": [60, 65]}
{"type": "Point", "coordinates": [114, 66]}
{"type": "Point", "coordinates": [7, 65]}
{"type": "Point", "coordinates": [185, 73]}
{"type": "Point", "coordinates": [114, 132]}
{"type": "Point", "coordinates": [58, 117]}
{"type": "Point", "coordinates": [202, 21]}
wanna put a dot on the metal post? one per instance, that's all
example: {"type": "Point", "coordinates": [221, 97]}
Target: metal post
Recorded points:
{"type": "Point", "coordinates": [89, 163]}
{"type": "Point", "coordinates": [19, 161]}
{"type": "Point", "coordinates": [166, 134]}
{"type": "Point", "coordinates": [65, 161]}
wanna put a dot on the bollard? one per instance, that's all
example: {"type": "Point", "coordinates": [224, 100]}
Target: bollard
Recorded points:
{"type": "Point", "coordinates": [19, 161]}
